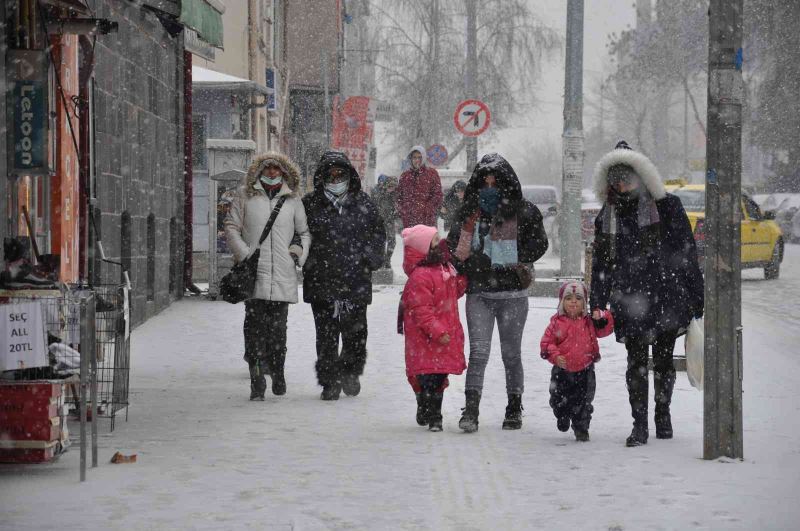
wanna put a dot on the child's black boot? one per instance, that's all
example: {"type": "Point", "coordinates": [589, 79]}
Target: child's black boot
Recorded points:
{"type": "Point", "coordinates": [435, 411]}
{"type": "Point", "coordinates": [422, 413]}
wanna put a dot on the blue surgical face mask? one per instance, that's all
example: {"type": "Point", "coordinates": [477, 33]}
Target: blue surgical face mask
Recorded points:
{"type": "Point", "coordinates": [337, 188]}
{"type": "Point", "coordinates": [490, 200]}
{"type": "Point", "coordinates": [271, 182]}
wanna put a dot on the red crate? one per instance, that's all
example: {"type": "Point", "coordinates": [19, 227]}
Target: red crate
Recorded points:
{"type": "Point", "coordinates": [30, 391]}
{"type": "Point", "coordinates": [28, 455]}
{"type": "Point", "coordinates": [31, 430]}
{"type": "Point", "coordinates": [12, 411]}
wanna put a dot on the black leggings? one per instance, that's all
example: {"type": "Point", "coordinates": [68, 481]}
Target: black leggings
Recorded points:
{"type": "Point", "coordinates": [265, 333]}
{"type": "Point", "coordinates": [637, 377]}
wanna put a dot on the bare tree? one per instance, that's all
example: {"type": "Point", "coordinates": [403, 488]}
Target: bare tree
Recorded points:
{"type": "Point", "coordinates": [422, 62]}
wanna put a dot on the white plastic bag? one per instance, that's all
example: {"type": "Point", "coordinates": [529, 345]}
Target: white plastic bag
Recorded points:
{"type": "Point", "coordinates": [695, 352]}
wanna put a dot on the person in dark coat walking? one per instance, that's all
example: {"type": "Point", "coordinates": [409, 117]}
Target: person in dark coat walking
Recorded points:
{"type": "Point", "coordinates": [496, 238]}
{"type": "Point", "coordinates": [384, 195]}
{"type": "Point", "coordinates": [644, 266]}
{"type": "Point", "coordinates": [452, 203]}
{"type": "Point", "coordinates": [348, 238]}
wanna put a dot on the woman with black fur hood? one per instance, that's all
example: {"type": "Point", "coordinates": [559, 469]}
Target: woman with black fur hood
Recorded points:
{"type": "Point", "coordinates": [496, 237]}
{"type": "Point", "coordinates": [349, 240]}
{"type": "Point", "coordinates": [645, 266]}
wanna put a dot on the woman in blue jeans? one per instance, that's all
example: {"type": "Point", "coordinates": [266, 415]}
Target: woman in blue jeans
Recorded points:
{"type": "Point", "coordinates": [496, 237]}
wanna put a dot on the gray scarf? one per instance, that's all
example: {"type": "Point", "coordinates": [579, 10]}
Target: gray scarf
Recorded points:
{"type": "Point", "coordinates": [338, 201]}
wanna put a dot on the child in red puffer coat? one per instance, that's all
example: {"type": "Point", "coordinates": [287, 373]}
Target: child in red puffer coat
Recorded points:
{"type": "Point", "coordinates": [429, 306]}
{"type": "Point", "coordinates": [570, 344]}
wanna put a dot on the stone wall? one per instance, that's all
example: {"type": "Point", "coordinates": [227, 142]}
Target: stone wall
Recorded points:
{"type": "Point", "coordinates": [138, 117]}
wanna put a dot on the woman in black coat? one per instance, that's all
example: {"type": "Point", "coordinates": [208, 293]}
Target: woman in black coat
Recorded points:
{"type": "Point", "coordinates": [348, 240]}
{"type": "Point", "coordinates": [645, 266]}
{"type": "Point", "coordinates": [496, 237]}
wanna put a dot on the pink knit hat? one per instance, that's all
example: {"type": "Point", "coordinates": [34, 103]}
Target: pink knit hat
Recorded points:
{"type": "Point", "coordinates": [419, 237]}
{"type": "Point", "coordinates": [573, 286]}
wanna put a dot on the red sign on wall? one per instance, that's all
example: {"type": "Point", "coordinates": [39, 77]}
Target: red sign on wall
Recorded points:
{"type": "Point", "coordinates": [353, 128]}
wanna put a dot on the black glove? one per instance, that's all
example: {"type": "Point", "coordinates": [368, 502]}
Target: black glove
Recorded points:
{"type": "Point", "coordinates": [600, 323]}
{"type": "Point", "coordinates": [479, 262]}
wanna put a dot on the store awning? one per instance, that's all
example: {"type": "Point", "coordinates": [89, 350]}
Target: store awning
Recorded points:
{"type": "Point", "coordinates": [210, 79]}
{"type": "Point", "coordinates": [205, 17]}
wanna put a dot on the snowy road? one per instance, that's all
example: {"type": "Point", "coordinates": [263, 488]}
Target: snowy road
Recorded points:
{"type": "Point", "coordinates": [210, 459]}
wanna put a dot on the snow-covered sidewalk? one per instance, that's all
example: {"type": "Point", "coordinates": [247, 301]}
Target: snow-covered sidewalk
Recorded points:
{"type": "Point", "coordinates": [210, 459]}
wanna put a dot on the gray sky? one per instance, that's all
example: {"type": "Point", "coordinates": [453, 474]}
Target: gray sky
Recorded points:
{"type": "Point", "coordinates": [601, 18]}
{"type": "Point", "coordinates": [545, 123]}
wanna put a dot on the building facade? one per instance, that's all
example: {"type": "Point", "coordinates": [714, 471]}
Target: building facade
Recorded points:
{"type": "Point", "coordinates": [94, 155]}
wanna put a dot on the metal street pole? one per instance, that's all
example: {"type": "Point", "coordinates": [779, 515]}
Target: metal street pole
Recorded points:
{"type": "Point", "coordinates": [722, 404]}
{"type": "Point", "coordinates": [471, 75]}
{"type": "Point", "coordinates": [569, 225]}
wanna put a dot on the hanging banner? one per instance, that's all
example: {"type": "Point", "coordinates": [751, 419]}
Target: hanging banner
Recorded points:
{"type": "Point", "coordinates": [28, 113]}
{"type": "Point", "coordinates": [353, 127]}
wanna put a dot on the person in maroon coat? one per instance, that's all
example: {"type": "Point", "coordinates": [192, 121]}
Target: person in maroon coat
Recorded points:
{"type": "Point", "coordinates": [419, 195]}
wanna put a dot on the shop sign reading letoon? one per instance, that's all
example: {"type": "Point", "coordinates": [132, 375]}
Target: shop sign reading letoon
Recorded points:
{"type": "Point", "coordinates": [27, 116]}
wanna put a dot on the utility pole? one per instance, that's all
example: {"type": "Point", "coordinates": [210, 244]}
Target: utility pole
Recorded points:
{"type": "Point", "coordinates": [472, 75]}
{"type": "Point", "coordinates": [722, 395]}
{"type": "Point", "coordinates": [569, 225]}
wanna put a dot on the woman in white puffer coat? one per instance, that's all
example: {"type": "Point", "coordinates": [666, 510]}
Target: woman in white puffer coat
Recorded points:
{"type": "Point", "coordinates": [270, 178]}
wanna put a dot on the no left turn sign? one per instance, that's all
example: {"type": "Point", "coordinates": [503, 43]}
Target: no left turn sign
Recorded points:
{"type": "Point", "coordinates": [472, 117]}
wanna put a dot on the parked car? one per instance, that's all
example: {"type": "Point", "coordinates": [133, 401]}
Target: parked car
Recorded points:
{"type": "Point", "coordinates": [762, 239]}
{"type": "Point", "coordinates": [544, 197]}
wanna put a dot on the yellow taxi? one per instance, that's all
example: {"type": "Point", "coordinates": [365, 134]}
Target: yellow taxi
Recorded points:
{"type": "Point", "coordinates": [762, 240]}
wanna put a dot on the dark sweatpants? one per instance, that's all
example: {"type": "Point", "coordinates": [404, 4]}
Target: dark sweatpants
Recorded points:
{"type": "Point", "coordinates": [265, 333]}
{"type": "Point", "coordinates": [351, 324]}
{"type": "Point", "coordinates": [571, 395]}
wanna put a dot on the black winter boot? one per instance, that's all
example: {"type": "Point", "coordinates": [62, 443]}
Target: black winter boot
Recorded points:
{"type": "Point", "coordinates": [278, 382]}
{"type": "Point", "coordinates": [469, 417]}
{"type": "Point", "coordinates": [258, 383]}
{"type": "Point", "coordinates": [351, 384]}
{"type": "Point", "coordinates": [513, 420]}
{"type": "Point", "coordinates": [331, 391]}
{"type": "Point", "coordinates": [636, 377]}
{"type": "Point", "coordinates": [581, 435]}
{"type": "Point", "coordinates": [638, 436]}
{"type": "Point", "coordinates": [434, 401]}
{"type": "Point", "coordinates": [664, 385]}
{"type": "Point", "coordinates": [422, 410]}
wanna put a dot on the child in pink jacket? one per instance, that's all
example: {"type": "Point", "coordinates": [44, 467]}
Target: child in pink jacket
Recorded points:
{"type": "Point", "coordinates": [429, 306]}
{"type": "Point", "coordinates": [570, 344]}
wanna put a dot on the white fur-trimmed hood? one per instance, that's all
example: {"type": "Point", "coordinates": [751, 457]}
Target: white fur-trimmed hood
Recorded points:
{"type": "Point", "coordinates": [422, 152]}
{"type": "Point", "coordinates": [642, 165]}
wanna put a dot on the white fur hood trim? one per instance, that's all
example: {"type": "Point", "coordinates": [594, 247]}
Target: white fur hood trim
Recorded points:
{"type": "Point", "coordinates": [643, 166]}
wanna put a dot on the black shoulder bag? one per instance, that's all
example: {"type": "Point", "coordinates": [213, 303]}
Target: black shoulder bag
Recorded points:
{"type": "Point", "coordinates": [240, 282]}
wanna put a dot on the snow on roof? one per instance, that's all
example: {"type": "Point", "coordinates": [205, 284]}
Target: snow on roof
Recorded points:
{"type": "Point", "coordinates": [204, 75]}
{"type": "Point", "coordinates": [213, 79]}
